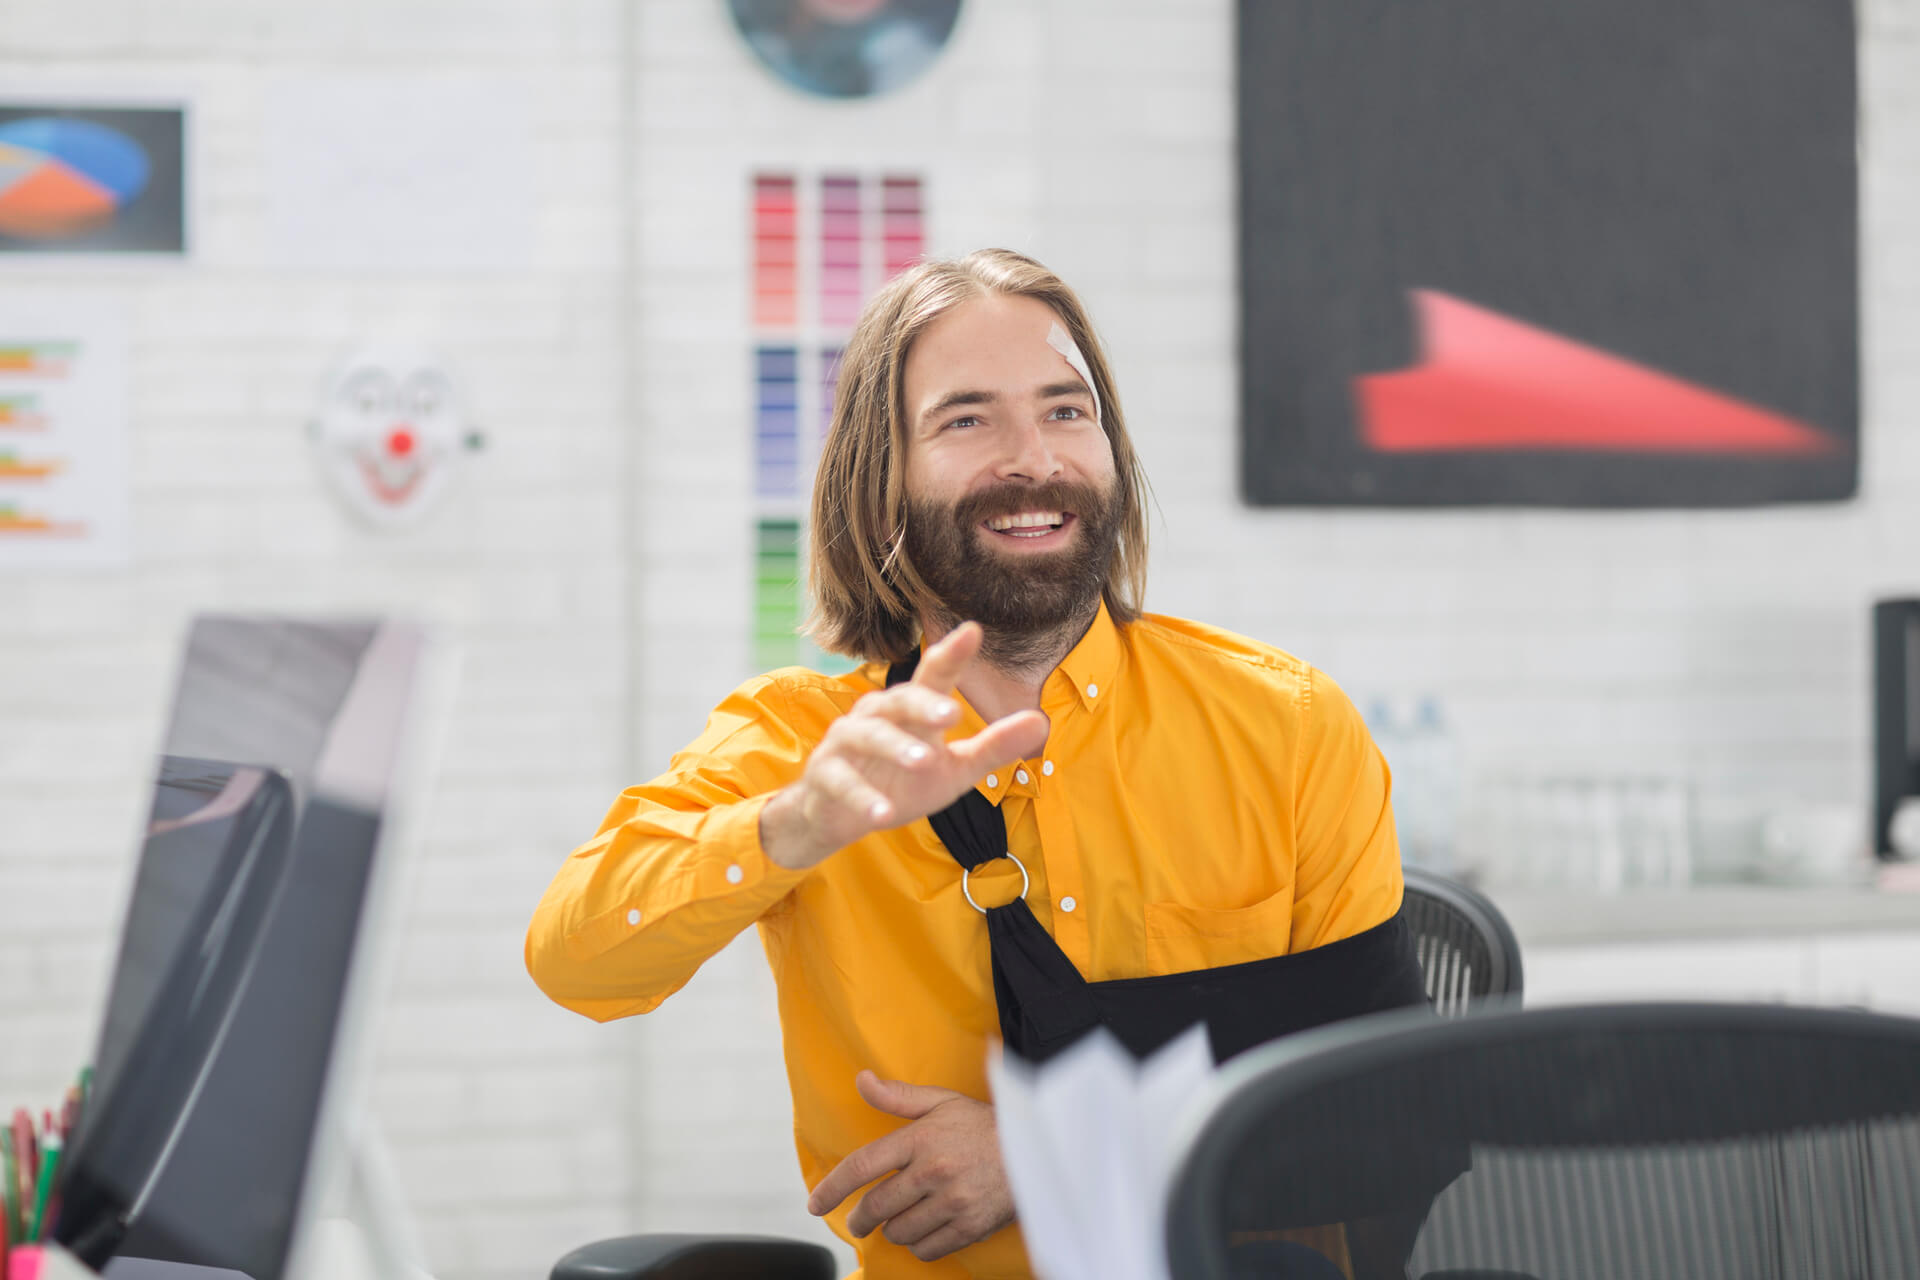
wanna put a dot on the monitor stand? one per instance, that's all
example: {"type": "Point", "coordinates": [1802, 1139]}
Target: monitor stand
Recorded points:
{"type": "Point", "coordinates": [370, 1236]}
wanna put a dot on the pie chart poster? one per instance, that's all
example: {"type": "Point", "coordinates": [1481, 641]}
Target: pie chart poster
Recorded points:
{"type": "Point", "coordinates": [145, 202]}
{"type": "Point", "coordinates": [1587, 253]}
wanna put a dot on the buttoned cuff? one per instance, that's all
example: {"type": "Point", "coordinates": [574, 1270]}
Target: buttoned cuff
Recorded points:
{"type": "Point", "coordinates": [725, 874]}
{"type": "Point", "coordinates": [731, 858]}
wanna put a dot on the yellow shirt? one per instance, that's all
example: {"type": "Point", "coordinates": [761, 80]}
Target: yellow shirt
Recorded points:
{"type": "Point", "coordinates": [1203, 800]}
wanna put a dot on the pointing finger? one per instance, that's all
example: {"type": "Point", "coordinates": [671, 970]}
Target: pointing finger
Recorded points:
{"type": "Point", "coordinates": [883, 740]}
{"type": "Point", "coordinates": [1010, 738]}
{"type": "Point", "coordinates": [916, 709]}
{"type": "Point", "coordinates": [944, 661]}
{"type": "Point", "coordinates": [849, 788]}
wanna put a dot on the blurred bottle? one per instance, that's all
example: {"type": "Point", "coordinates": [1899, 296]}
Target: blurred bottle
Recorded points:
{"type": "Point", "coordinates": [1658, 832]}
{"type": "Point", "coordinates": [1439, 753]}
{"type": "Point", "coordinates": [1606, 837]}
{"type": "Point", "coordinates": [1390, 736]}
{"type": "Point", "coordinates": [1427, 789]}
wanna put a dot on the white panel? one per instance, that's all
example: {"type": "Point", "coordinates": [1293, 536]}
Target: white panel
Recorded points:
{"type": "Point", "coordinates": [1873, 970]}
{"type": "Point", "coordinates": [1723, 970]}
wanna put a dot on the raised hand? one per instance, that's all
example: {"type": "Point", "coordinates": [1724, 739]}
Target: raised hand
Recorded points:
{"type": "Point", "coordinates": [887, 761]}
{"type": "Point", "coordinates": [948, 1188]}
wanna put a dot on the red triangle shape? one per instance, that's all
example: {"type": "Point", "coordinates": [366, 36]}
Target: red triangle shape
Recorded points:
{"type": "Point", "coordinates": [1488, 382]}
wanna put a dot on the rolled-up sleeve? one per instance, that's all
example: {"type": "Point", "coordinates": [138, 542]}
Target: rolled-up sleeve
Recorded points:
{"type": "Point", "coordinates": [676, 869]}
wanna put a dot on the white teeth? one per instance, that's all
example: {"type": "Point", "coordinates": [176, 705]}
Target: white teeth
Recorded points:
{"type": "Point", "coordinates": [1025, 520]}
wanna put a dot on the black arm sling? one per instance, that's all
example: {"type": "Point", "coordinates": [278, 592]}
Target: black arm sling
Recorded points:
{"type": "Point", "coordinates": [1045, 1004]}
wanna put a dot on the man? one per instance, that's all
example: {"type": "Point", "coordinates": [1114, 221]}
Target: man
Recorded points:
{"type": "Point", "coordinates": [1169, 798]}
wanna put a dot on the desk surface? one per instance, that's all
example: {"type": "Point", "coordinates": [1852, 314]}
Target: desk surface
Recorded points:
{"type": "Point", "coordinates": [1569, 917]}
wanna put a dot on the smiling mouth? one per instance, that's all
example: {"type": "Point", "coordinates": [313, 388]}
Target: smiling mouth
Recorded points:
{"type": "Point", "coordinates": [1029, 524]}
{"type": "Point", "coordinates": [389, 490]}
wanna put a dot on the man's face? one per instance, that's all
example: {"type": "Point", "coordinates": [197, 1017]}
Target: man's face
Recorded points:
{"type": "Point", "coordinates": [1012, 504]}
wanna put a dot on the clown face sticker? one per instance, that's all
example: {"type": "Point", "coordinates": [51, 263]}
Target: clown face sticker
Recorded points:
{"type": "Point", "coordinates": [391, 429]}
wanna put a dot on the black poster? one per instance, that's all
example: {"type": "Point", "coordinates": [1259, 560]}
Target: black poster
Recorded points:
{"type": "Point", "coordinates": [1589, 253]}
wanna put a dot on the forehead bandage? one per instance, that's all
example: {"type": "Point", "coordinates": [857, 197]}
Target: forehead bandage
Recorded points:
{"type": "Point", "coordinates": [1062, 341]}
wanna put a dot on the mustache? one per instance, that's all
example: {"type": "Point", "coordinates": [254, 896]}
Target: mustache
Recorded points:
{"type": "Point", "coordinates": [1010, 499]}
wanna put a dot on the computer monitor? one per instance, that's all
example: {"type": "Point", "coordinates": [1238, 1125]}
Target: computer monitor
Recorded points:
{"type": "Point", "coordinates": [223, 1070]}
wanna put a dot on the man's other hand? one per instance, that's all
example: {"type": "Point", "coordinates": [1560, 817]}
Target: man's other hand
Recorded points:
{"type": "Point", "coordinates": [887, 761]}
{"type": "Point", "coordinates": [948, 1189]}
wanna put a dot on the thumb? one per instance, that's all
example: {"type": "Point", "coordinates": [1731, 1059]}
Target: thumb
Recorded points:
{"type": "Point", "coordinates": [898, 1098]}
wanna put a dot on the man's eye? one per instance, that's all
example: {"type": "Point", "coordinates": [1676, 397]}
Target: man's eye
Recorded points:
{"type": "Point", "coordinates": [968, 421]}
{"type": "Point", "coordinates": [1068, 412]}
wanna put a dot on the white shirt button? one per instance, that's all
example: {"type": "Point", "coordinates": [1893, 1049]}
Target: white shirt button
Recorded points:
{"type": "Point", "coordinates": [1093, 691]}
{"type": "Point", "coordinates": [1068, 904]}
{"type": "Point", "coordinates": [1046, 767]}
{"type": "Point", "coordinates": [735, 875]}
{"type": "Point", "coordinates": [1019, 775]}
{"type": "Point", "coordinates": [993, 780]}
{"type": "Point", "coordinates": [633, 916]}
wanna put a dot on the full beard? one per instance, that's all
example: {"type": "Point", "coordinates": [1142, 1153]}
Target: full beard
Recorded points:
{"type": "Point", "coordinates": [1033, 608]}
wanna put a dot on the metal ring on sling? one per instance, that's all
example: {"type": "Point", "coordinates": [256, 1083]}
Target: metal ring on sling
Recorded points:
{"type": "Point", "coordinates": [1024, 881]}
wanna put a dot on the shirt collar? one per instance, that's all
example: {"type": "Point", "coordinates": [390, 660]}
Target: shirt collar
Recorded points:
{"type": "Point", "coordinates": [1089, 671]}
{"type": "Point", "coordinates": [1085, 678]}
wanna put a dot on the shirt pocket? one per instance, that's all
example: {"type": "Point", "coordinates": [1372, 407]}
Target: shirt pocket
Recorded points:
{"type": "Point", "coordinates": [1182, 938]}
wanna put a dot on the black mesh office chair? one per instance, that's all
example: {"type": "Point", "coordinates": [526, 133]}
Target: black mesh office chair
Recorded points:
{"type": "Point", "coordinates": [696, 1257]}
{"type": "Point", "coordinates": [1467, 952]}
{"type": "Point", "coordinates": [1714, 1142]}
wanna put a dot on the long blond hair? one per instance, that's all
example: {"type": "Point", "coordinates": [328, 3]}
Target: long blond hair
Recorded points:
{"type": "Point", "coordinates": [867, 597]}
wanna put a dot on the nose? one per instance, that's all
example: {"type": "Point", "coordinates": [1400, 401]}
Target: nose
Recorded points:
{"type": "Point", "coordinates": [1028, 456]}
{"type": "Point", "coordinates": [400, 441]}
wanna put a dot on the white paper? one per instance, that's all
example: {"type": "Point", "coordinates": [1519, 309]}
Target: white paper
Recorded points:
{"type": "Point", "coordinates": [64, 492]}
{"type": "Point", "coordinates": [1087, 1141]}
{"type": "Point", "coordinates": [401, 171]}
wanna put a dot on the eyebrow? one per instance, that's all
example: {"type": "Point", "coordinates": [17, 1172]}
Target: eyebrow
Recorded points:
{"type": "Point", "coordinates": [953, 399]}
{"type": "Point", "coordinates": [1054, 390]}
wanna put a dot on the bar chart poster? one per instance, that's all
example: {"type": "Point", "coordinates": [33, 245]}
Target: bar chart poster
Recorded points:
{"type": "Point", "coordinates": [64, 499]}
{"type": "Point", "coordinates": [1593, 253]}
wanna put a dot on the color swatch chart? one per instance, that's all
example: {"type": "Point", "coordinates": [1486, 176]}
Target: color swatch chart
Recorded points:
{"type": "Point", "coordinates": [776, 259]}
{"type": "Point", "coordinates": [63, 455]}
{"type": "Point", "coordinates": [821, 245]}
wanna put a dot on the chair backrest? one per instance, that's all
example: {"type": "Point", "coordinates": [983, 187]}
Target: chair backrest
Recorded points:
{"type": "Point", "coordinates": [1467, 950]}
{"type": "Point", "coordinates": [1717, 1142]}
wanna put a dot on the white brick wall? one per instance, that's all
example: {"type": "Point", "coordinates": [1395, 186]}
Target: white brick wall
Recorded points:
{"type": "Point", "coordinates": [507, 1116]}
{"type": "Point", "coordinates": [1727, 647]}
{"type": "Point", "coordinates": [593, 560]}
